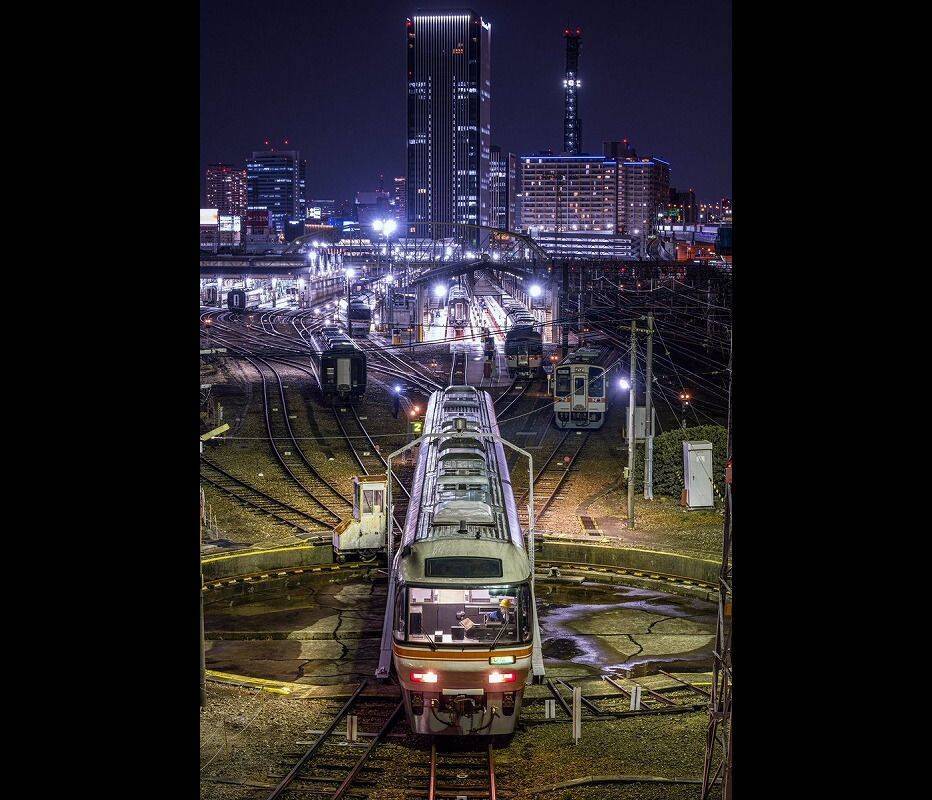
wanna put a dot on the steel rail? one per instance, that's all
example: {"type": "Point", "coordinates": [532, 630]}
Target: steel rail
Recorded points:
{"type": "Point", "coordinates": [312, 750]}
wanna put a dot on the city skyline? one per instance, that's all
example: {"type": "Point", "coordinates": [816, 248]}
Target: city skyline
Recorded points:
{"type": "Point", "coordinates": [256, 86]}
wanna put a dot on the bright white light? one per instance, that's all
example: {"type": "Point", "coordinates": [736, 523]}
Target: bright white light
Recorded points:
{"type": "Point", "coordinates": [350, 273]}
{"type": "Point", "coordinates": [389, 278]}
{"type": "Point", "coordinates": [389, 227]}
{"type": "Point", "coordinates": [496, 256]}
{"type": "Point", "coordinates": [636, 231]}
{"type": "Point", "coordinates": [377, 225]}
{"type": "Point", "coordinates": [315, 244]}
{"type": "Point", "coordinates": [448, 252]}
{"type": "Point", "coordinates": [440, 290]}
{"type": "Point", "coordinates": [470, 254]}
{"type": "Point", "coordinates": [623, 383]}
{"type": "Point", "coordinates": [535, 291]}
{"type": "Point", "coordinates": [397, 389]}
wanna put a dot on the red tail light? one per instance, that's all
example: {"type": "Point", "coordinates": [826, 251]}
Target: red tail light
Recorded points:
{"type": "Point", "coordinates": [424, 677]}
{"type": "Point", "coordinates": [501, 677]}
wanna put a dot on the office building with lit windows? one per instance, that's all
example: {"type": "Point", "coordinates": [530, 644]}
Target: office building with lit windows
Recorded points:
{"type": "Point", "coordinates": [449, 135]}
{"type": "Point", "coordinates": [503, 179]}
{"type": "Point", "coordinates": [568, 193]}
{"type": "Point", "coordinates": [643, 193]}
{"type": "Point", "coordinates": [276, 180]}
{"type": "Point", "coordinates": [226, 189]}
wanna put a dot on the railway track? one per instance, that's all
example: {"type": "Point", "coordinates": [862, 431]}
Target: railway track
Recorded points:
{"type": "Point", "coordinates": [552, 475]}
{"type": "Point", "coordinates": [333, 768]}
{"type": "Point", "coordinates": [260, 501]}
{"type": "Point", "coordinates": [469, 774]}
{"type": "Point", "coordinates": [291, 457]}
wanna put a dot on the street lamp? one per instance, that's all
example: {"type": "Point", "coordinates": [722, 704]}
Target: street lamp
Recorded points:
{"type": "Point", "coordinates": [535, 291]}
{"type": "Point", "coordinates": [440, 290]}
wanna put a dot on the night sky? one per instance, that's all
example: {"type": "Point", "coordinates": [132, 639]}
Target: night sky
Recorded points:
{"type": "Point", "coordinates": [331, 78]}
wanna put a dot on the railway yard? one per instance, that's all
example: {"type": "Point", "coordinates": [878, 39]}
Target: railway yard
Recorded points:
{"type": "Point", "coordinates": [293, 633]}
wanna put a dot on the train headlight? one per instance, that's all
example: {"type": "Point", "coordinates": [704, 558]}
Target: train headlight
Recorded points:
{"type": "Point", "coordinates": [501, 677]}
{"type": "Point", "coordinates": [423, 677]}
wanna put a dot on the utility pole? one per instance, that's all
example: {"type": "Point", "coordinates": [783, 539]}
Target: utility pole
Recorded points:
{"type": "Point", "coordinates": [203, 664]}
{"type": "Point", "coordinates": [649, 414]}
{"type": "Point", "coordinates": [631, 396]}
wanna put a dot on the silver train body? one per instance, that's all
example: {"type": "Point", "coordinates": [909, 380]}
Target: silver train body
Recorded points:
{"type": "Point", "coordinates": [579, 396]}
{"type": "Point", "coordinates": [458, 309]}
{"type": "Point", "coordinates": [359, 314]}
{"type": "Point", "coordinates": [461, 670]}
{"type": "Point", "coordinates": [524, 347]}
{"type": "Point", "coordinates": [247, 299]}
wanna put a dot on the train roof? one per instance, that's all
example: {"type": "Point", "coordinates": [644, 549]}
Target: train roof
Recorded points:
{"type": "Point", "coordinates": [583, 355]}
{"type": "Point", "coordinates": [462, 505]}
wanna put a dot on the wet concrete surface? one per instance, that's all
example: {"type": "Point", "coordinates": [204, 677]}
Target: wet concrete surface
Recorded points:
{"type": "Point", "coordinates": [324, 630]}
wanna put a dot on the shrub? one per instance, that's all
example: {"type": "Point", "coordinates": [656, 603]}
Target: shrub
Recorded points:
{"type": "Point", "coordinates": [668, 459]}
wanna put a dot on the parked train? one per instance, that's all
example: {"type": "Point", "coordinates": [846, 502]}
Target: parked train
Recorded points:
{"type": "Point", "coordinates": [458, 309]}
{"type": "Point", "coordinates": [461, 620]}
{"type": "Point", "coordinates": [579, 395]}
{"type": "Point", "coordinates": [246, 299]}
{"type": "Point", "coordinates": [524, 346]}
{"type": "Point", "coordinates": [340, 365]}
{"type": "Point", "coordinates": [359, 314]}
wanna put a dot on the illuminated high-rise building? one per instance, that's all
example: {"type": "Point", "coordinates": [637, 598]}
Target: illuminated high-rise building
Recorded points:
{"type": "Point", "coordinates": [276, 180]}
{"type": "Point", "coordinates": [568, 193]}
{"type": "Point", "coordinates": [449, 128]}
{"type": "Point", "coordinates": [503, 179]}
{"type": "Point", "coordinates": [226, 189]}
{"type": "Point", "coordinates": [572, 124]}
{"type": "Point", "coordinates": [643, 193]}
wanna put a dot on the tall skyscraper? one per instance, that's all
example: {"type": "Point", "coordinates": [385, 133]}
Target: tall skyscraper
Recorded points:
{"type": "Point", "coordinates": [226, 189]}
{"type": "Point", "coordinates": [503, 169]}
{"type": "Point", "coordinates": [276, 180]}
{"type": "Point", "coordinates": [572, 124]}
{"type": "Point", "coordinates": [643, 192]}
{"type": "Point", "coordinates": [449, 135]}
{"type": "Point", "coordinates": [568, 193]}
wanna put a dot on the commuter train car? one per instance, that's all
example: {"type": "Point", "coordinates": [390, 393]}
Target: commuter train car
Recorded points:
{"type": "Point", "coordinates": [523, 341]}
{"type": "Point", "coordinates": [461, 620]}
{"type": "Point", "coordinates": [340, 365]}
{"type": "Point", "coordinates": [579, 390]}
{"type": "Point", "coordinates": [458, 309]}
{"type": "Point", "coordinates": [359, 314]}
{"type": "Point", "coordinates": [245, 299]}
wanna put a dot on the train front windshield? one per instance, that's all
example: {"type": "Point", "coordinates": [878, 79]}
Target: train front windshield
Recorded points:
{"type": "Point", "coordinates": [464, 616]}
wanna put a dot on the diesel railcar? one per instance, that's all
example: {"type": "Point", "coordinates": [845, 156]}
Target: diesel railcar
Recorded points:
{"type": "Point", "coordinates": [523, 341]}
{"type": "Point", "coordinates": [461, 619]}
{"type": "Point", "coordinates": [246, 299]}
{"type": "Point", "coordinates": [359, 314]}
{"type": "Point", "coordinates": [458, 309]}
{"type": "Point", "coordinates": [339, 363]}
{"type": "Point", "coordinates": [579, 390]}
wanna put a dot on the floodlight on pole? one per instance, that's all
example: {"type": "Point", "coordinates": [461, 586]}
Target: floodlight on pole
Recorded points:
{"type": "Point", "coordinates": [623, 383]}
{"type": "Point", "coordinates": [350, 273]}
{"type": "Point", "coordinates": [389, 227]}
{"type": "Point", "coordinates": [440, 290]}
{"type": "Point", "coordinates": [377, 225]}
{"type": "Point", "coordinates": [535, 291]}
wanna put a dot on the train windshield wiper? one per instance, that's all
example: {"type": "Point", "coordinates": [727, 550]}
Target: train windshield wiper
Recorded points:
{"type": "Point", "coordinates": [498, 636]}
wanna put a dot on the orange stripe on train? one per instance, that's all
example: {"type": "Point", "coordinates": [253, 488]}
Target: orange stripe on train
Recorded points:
{"type": "Point", "coordinates": [466, 655]}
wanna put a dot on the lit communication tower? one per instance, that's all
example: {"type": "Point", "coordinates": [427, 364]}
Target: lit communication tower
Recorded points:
{"type": "Point", "coordinates": [572, 135]}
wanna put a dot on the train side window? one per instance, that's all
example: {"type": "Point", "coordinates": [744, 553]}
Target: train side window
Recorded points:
{"type": "Point", "coordinates": [400, 612]}
{"type": "Point", "coordinates": [563, 380]}
{"type": "Point", "coordinates": [524, 613]}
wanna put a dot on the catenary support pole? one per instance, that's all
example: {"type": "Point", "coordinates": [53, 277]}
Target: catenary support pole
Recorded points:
{"type": "Point", "coordinates": [631, 397]}
{"type": "Point", "coordinates": [649, 414]}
